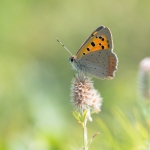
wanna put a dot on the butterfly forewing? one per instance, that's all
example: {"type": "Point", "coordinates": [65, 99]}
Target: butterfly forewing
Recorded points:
{"type": "Point", "coordinates": [100, 39]}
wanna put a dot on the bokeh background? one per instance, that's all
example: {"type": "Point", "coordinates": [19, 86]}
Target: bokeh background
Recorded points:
{"type": "Point", "coordinates": [35, 75]}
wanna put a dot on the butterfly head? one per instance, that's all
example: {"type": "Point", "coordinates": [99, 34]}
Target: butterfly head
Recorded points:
{"type": "Point", "coordinates": [73, 61]}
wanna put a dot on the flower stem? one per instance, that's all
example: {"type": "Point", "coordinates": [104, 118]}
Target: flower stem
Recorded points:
{"type": "Point", "coordinates": [85, 139]}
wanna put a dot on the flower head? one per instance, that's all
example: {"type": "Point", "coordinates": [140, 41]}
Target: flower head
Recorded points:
{"type": "Point", "coordinates": [144, 78]}
{"type": "Point", "coordinates": [84, 96]}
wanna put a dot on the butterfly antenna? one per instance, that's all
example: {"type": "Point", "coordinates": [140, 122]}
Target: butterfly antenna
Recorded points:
{"type": "Point", "coordinates": [63, 46]}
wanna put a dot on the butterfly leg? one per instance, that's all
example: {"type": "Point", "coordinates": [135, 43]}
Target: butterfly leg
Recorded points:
{"type": "Point", "coordinates": [82, 75]}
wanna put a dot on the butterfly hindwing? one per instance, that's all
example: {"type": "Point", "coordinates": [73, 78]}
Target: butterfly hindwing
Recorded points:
{"type": "Point", "coordinates": [101, 64]}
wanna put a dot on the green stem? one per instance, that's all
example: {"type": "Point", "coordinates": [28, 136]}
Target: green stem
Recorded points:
{"type": "Point", "coordinates": [85, 139]}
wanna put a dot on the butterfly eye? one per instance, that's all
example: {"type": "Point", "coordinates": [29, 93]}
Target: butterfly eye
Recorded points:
{"type": "Point", "coordinates": [71, 59]}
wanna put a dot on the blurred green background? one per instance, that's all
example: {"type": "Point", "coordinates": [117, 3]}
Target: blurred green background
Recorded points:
{"type": "Point", "coordinates": [35, 76]}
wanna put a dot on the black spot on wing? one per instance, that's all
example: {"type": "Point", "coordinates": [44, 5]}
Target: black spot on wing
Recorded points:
{"type": "Point", "coordinates": [88, 49]}
{"type": "Point", "coordinates": [93, 44]}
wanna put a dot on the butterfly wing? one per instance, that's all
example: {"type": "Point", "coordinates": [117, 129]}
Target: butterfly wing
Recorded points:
{"type": "Point", "coordinates": [96, 56]}
{"type": "Point", "coordinates": [101, 64]}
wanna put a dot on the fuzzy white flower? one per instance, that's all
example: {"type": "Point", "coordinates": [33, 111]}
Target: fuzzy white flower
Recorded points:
{"type": "Point", "coordinates": [144, 78]}
{"type": "Point", "coordinates": [84, 96]}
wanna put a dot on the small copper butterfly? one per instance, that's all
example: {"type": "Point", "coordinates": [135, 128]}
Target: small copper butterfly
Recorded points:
{"type": "Point", "coordinates": [96, 56]}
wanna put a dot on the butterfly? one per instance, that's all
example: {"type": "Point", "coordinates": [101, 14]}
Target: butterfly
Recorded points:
{"type": "Point", "coordinates": [96, 56]}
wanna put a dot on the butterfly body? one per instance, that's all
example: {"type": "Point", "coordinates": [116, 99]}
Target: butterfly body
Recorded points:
{"type": "Point", "coordinates": [96, 56]}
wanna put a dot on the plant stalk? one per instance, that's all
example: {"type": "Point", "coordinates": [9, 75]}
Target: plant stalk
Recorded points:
{"type": "Point", "coordinates": [85, 138]}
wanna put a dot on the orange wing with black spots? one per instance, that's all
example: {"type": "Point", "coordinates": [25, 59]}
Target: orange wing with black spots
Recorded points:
{"type": "Point", "coordinates": [97, 41]}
